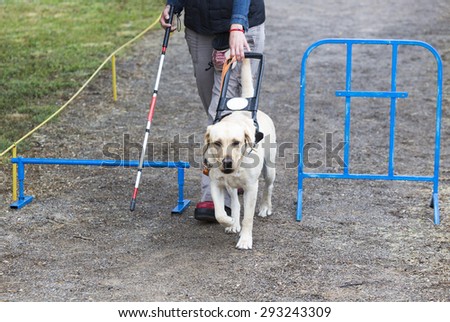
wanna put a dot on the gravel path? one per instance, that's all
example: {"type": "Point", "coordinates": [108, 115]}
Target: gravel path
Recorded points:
{"type": "Point", "coordinates": [358, 241]}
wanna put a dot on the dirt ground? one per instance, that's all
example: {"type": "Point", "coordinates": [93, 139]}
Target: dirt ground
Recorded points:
{"type": "Point", "coordinates": [358, 241]}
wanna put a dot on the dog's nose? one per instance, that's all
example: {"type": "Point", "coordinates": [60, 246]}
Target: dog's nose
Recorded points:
{"type": "Point", "coordinates": [227, 163]}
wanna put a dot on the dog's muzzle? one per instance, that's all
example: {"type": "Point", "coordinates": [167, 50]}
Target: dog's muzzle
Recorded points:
{"type": "Point", "coordinates": [227, 165]}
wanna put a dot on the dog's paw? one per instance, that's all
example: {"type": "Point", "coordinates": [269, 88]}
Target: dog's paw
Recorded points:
{"type": "Point", "coordinates": [226, 221]}
{"type": "Point", "coordinates": [264, 211]}
{"type": "Point", "coordinates": [233, 229]}
{"type": "Point", "coordinates": [245, 242]}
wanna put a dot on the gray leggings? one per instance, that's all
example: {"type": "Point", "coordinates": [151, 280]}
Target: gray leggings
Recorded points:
{"type": "Point", "coordinates": [208, 79]}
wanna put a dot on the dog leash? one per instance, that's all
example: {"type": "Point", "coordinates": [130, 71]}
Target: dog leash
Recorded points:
{"type": "Point", "coordinates": [226, 66]}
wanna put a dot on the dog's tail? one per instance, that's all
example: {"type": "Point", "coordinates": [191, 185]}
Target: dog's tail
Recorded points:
{"type": "Point", "coordinates": [246, 79]}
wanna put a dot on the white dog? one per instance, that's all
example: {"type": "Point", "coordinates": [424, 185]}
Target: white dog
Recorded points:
{"type": "Point", "coordinates": [235, 161]}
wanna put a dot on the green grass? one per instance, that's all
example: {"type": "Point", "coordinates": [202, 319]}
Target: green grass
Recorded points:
{"type": "Point", "coordinates": [49, 48]}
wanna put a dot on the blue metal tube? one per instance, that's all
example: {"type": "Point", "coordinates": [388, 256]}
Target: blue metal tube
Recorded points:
{"type": "Point", "coordinates": [437, 139]}
{"type": "Point", "coordinates": [301, 137]}
{"type": "Point", "coordinates": [182, 203]}
{"type": "Point", "coordinates": [23, 199]}
{"type": "Point", "coordinates": [437, 219]}
{"type": "Point", "coordinates": [180, 185]}
{"type": "Point", "coordinates": [21, 179]}
{"type": "Point", "coordinates": [102, 163]}
{"type": "Point", "coordinates": [372, 94]}
{"type": "Point", "coordinates": [358, 176]}
{"type": "Point", "coordinates": [393, 110]}
{"type": "Point", "coordinates": [348, 88]}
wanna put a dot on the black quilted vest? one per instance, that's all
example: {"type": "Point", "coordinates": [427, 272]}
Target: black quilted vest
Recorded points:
{"type": "Point", "coordinates": [209, 17]}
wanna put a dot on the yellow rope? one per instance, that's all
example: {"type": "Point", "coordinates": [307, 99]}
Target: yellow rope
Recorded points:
{"type": "Point", "coordinates": [80, 90]}
{"type": "Point", "coordinates": [114, 78]}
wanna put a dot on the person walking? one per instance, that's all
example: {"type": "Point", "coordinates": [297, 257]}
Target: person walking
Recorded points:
{"type": "Point", "coordinates": [214, 30]}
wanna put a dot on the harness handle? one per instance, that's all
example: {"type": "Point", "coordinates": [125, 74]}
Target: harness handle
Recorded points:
{"type": "Point", "coordinates": [252, 101]}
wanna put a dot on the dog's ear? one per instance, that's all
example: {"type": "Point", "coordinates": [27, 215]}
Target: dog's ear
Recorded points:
{"type": "Point", "coordinates": [249, 137]}
{"type": "Point", "coordinates": [207, 140]}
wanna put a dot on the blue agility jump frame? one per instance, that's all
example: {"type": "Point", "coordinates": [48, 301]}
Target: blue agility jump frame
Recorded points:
{"type": "Point", "coordinates": [393, 95]}
{"type": "Point", "coordinates": [24, 200]}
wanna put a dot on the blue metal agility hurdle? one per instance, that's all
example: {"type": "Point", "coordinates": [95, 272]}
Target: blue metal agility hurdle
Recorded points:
{"type": "Point", "coordinates": [24, 200]}
{"type": "Point", "coordinates": [393, 95]}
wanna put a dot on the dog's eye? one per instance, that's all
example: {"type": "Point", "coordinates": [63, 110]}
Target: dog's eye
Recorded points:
{"type": "Point", "coordinates": [235, 143]}
{"type": "Point", "coordinates": [218, 144]}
